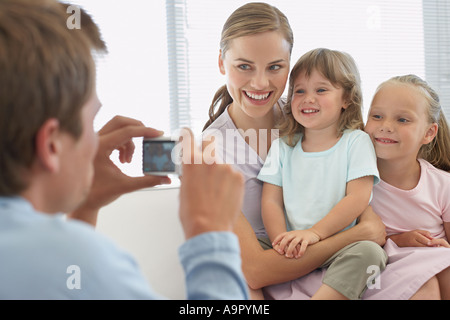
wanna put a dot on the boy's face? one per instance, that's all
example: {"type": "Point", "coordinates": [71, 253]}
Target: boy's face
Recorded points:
{"type": "Point", "coordinates": [77, 159]}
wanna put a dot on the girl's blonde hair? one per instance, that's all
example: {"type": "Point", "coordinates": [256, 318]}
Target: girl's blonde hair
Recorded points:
{"type": "Point", "coordinates": [437, 152]}
{"type": "Point", "coordinates": [341, 70]}
{"type": "Point", "coordinates": [250, 19]}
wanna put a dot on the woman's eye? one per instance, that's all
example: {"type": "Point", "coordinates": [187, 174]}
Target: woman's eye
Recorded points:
{"type": "Point", "coordinates": [244, 67]}
{"type": "Point", "coordinates": [275, 67]}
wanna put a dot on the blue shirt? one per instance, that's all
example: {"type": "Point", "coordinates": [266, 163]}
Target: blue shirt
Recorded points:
{"type": "Point", "coordinates": [314, 182]}
{"type": "Point", "coordinates": [48, 257]}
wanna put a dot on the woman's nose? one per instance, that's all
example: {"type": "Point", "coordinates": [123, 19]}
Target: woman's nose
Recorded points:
{"type": "Point", "coordinates": [260, 81]}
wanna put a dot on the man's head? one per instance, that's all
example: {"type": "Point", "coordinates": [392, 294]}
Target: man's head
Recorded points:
{"type": "Point", "coordinates": [47, 97]}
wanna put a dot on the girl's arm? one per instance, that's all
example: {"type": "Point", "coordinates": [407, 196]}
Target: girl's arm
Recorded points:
{"type": "Point", "coordinates": [266, 267]}
{"type": "Point", "coordinates": [348, 209]}
{"type": "Point", "coordinates": [272, 210]}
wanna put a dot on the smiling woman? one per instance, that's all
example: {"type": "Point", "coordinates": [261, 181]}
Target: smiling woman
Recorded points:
{"type": "Point", "coordinates": [256, 68]}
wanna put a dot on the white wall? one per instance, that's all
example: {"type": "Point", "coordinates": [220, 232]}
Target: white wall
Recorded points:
{"type": "Point", "coordinates": [146, 224]}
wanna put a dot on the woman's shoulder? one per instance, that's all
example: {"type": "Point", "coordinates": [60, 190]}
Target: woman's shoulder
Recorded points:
{"type": "Point", "coordinates": [222, 123]}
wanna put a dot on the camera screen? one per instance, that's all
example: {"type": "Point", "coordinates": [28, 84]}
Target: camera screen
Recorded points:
{"type": "Point", "coordinates": [157, 156]}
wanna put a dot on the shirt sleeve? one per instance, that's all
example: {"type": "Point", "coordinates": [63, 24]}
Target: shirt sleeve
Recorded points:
{"type": "Point", "coordinates": [271, 171]}
{"type": "Point", "coordinates": [362, 158]}
{"type": "Point", "coordinates": [446, 200]}
{"type": "Point", "coordinates": [212, 264]}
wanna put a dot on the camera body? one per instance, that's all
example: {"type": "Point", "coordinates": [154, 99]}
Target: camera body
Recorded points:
{"type": "Point", "coordinates": [161, 157]}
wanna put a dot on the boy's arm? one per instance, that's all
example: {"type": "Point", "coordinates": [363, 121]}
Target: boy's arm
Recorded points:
{"type": "Point", "coordinates": [348, 209]}
{"type": "Point", "coordinates": [272, 210]}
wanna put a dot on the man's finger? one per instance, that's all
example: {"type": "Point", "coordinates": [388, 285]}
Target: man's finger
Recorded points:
{"type": "Point", "coordinates": [119, 137]}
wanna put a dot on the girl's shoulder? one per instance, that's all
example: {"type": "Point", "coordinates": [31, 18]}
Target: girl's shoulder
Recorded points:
{"type": "Point", "coordinates": [355, 137]}
{"type": "Point", "coordinates": [355, 134]}
{"type": "Point", "coordinates": [434, 173]}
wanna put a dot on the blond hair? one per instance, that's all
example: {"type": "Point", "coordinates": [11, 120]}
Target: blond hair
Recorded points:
{"type": "Point", "coordinates": [437, 152]}
{"type": "Point", "coordinates": [250, 19]}
{"type": "Point", "coordinates": [341, 70]}
{"type": "Point", "coordinates": [47, 71]}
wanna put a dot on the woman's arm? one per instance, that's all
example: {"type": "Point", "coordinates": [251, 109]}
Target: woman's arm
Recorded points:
{"type": "Point", "coordinates": [266, 267]}
{"type": "Point", "coordinates": [272, 210]}
{"type": "Point", "coordinates": [447, 230]}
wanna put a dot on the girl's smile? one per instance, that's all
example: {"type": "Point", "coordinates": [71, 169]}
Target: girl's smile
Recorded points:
{"type": "Point", "coordinates": [316, 103]}
{"type": "Point", "coordinates": [397, 122]}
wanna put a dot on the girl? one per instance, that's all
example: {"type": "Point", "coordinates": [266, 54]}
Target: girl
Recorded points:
{"type": "Point", "coordinates": [322, 169]}
{"type": "Point", "coordinates": [255, 51]}
{"type": "Point", "coordinates": [412, 143]}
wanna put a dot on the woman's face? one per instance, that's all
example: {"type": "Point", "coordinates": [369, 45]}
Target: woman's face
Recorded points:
{"type": "Point", "coordinates": [257, 69]}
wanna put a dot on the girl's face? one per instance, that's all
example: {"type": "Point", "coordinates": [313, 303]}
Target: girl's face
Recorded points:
{"type": "Point", "coordinates": [316, 103]}
{"type": "Point", "coordinates": [398, 122]}
{"type": "Point", "coordinates": [257, 68]}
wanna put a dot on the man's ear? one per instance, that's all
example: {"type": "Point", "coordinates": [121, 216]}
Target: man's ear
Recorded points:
{"type": "Point", "coordinates": [48, 145]}
{"type": "Point", "coordinates": [221, 66]}
{"type": "Point", "coordinates": [430, 133]}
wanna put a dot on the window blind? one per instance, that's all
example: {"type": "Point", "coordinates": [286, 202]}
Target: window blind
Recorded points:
{"type": "Point", "coordinates": [436, 14]}
{"type": "Point", "coordinates": [386, 38]}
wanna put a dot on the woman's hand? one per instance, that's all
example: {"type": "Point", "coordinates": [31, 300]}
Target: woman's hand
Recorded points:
{"type": "Point", "coordinates": [369, 227]}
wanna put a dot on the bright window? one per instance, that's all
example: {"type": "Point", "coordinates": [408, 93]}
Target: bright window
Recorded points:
{"type": "Point", "coordinates": [162, 66]}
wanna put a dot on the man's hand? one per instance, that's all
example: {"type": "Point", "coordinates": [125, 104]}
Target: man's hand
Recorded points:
{"type": "Point", "coordinates": [109, 181]}
{"type": "Point", "coordinates": [211, 194]}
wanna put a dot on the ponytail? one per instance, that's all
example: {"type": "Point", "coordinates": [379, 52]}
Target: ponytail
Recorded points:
{"type": "Point", "coordinates": [223, 97]}
{"type": "Point", "coordinates": [437, 152]}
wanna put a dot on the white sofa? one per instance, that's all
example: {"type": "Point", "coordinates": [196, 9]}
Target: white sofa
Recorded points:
{"type": "Point", "coordinates": [146, 224]}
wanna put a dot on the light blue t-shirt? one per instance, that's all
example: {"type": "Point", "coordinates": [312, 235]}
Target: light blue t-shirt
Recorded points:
{"type": "Point", "coordinates": [314, 182]}
{"type": "Point", "coordinates": [48, 257]}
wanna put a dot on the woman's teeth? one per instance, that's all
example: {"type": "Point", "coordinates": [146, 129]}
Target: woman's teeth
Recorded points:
{"type": "Point", "coordinates": [257, 96]}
